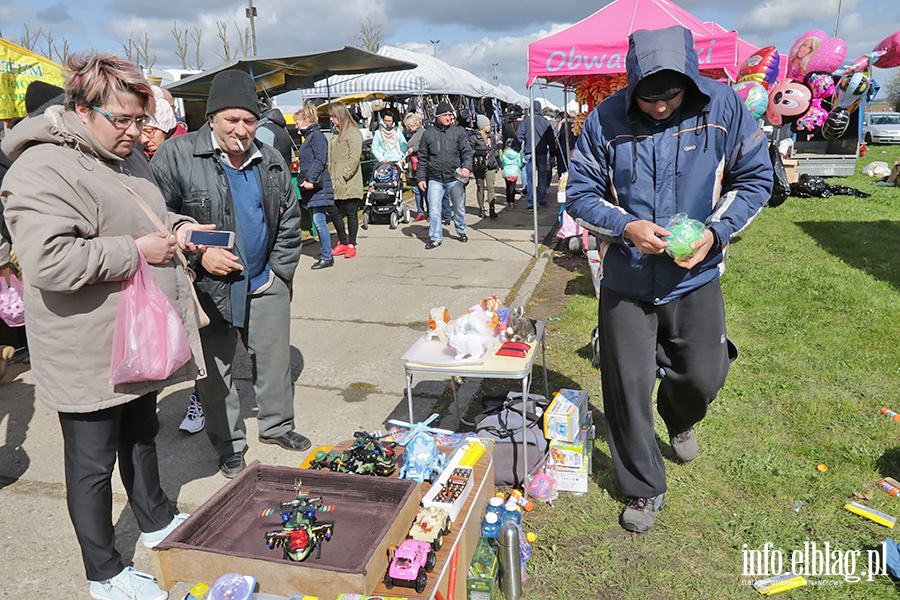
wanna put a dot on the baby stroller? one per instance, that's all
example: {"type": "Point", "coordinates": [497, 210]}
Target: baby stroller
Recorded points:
{"type": "Point", "coordinates": [385, 196]}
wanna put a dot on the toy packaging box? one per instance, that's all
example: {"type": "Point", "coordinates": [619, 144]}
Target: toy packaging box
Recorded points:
{"type": "Point", "coordinates": [567, 415]}
{"type": "Point", "coordinates": [452, 487]}
{"type": "Point", "coordinates": [571, 461]}
{"type": "Point", "coordinates": [483, 578]}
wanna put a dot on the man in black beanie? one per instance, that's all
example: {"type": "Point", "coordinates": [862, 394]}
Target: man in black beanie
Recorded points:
{"type": "Point", "coordinates": [250, 282]}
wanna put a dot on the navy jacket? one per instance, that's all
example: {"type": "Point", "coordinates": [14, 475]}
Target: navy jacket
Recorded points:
{"type": "Point", "coordinates": [709, 160]}
{"type": "Point", "coordinates": [313, 159]}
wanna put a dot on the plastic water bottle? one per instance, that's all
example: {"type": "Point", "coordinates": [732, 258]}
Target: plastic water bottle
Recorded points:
{"type": "Point", "coordinates": [495, 505]}
{"type": "Point", "coordinates": [490, 527]}
{"type": "Point", "coordinates": [511, 513]}
{"type": "Point", "coordinates": [510, 562]}
{"type": "Point", "coordinates": [459, 176]}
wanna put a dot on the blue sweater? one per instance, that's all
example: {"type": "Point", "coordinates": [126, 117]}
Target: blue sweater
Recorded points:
{"type": "Point", "coordinates": [251, 224]}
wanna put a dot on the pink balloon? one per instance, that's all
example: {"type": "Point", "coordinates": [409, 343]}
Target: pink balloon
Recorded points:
{"type": "Point", "coordinates": [891, 46]}
{"type": "Point", "coordinates": [815, 51]}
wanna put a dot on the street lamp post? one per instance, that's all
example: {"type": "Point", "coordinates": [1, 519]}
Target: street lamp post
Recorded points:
{"type": "Point", "coordinates": [434, 44]}
{"type": "Point", "coordinates": [837, 19]}
{"type": "Point", "coordinates": [251, 14]}
{"type": "Point", "coordinates": [495, 72]}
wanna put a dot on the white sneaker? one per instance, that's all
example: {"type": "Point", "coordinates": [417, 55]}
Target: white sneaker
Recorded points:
{"type": "Point", "coordinates": [193, 420]}
{"type": "Point", "coordinates": [128, 585]}
{"type": "Point", "coordinates": [152, 539]}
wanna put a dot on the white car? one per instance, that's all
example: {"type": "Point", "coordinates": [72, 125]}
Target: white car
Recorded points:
{"type": "Point", "coordinates": [881, 128]}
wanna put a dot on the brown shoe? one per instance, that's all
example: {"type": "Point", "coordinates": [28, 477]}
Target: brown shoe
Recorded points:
{"type": "Point", "coordinates": [6, 353]}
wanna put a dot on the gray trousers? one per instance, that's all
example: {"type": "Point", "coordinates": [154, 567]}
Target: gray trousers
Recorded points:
{"type": "Point", "coordinates": [267, 337]}
{"type": "Point", "coordinates": [683, 340]}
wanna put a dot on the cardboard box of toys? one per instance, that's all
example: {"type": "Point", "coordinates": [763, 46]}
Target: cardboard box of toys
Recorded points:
{"type": "Point", "coordinates": [482, 582]}
{"type": "Point", "coordinates": [567, 415]}
{"type": "Point", "coordinates": [571, 461]}
{"type": "Point", "coordinates": [452, 487]}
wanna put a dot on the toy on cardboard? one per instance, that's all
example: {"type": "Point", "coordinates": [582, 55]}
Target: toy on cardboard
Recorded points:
{"type": "Point", "coordinates": [412, 561]}
{"type": "Point", "coordinates": [431, 525]}
{"type": "Point", "coordinates": [422, 459]}
{"type": "Point", "coordinates": [300, 534]}
{"type": "Point", "coordinates": [369, 455]}
{"type": "Point", "coordinates": [438, 318]}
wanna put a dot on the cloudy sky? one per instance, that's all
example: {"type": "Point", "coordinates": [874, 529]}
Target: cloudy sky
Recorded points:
{"type": "Point", "coordinates": [472, 34]}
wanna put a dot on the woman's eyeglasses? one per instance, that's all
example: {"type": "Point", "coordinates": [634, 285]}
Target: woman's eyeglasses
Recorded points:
{"type": "Point", "coordinates": [121, 122]}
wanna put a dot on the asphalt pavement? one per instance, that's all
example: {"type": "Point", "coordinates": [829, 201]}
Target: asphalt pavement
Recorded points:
{"type": "Point", "coordinates": [350, 326]}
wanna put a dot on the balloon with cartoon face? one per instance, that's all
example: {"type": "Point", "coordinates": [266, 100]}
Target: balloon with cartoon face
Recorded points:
{"type": "Point", "coordinates": [788, 101]}
{"type": "Point", "coordinates": [815, 51]}
{"type": "Point", "coordinates": [851, 89]}
{"type": "Point", "coordinates": [821, 87]}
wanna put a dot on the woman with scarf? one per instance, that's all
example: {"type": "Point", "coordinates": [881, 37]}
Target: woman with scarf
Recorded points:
{"type": "Point", "coordinates": [388, 144]}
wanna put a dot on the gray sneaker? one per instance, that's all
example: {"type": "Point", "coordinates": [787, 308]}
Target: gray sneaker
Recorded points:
{"type": "Point", "coordinates": [640, 513]}
{"type": "Point", "coordinates": [685, 445]}
{"type": "Point", "coordinates": [128, 585]}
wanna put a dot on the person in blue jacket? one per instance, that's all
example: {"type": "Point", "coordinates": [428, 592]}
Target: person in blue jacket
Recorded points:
{"type": "Point", "coordinates": [671, 142]}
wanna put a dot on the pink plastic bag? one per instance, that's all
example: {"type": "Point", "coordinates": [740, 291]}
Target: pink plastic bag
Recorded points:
{"type": "Point", "coordinates": [568, 227]}
{"type": "Point", "coordinates": [149, 343]}
{"type": "Point", "coordinates": [12, 303]}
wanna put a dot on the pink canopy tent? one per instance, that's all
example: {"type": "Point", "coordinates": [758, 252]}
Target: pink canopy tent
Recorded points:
{"type": "Point", "coordinates": [597, 45]}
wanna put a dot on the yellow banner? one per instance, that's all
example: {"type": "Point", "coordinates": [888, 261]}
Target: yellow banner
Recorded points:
{"type": "Point", "coordinates": [18, 68]}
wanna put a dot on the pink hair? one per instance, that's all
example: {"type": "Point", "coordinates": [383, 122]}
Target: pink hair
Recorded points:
{"type": "Point", "coordinates": [93, 78]}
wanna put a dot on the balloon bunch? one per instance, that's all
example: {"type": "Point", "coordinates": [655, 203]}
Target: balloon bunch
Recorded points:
{"type": "Point", "coordinates": [809, 88]}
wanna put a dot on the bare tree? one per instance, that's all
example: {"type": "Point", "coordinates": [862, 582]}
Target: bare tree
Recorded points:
{"type": "Point", "coordinates": [370, 34]}
{"type": "Point", "coordinates": [29, 40]}
{"type": "Point", "coordinates": [181, 40]}
{"type": "Point", "coordinates": [145, 59]}
{"type": "Point", "coordinates": [222, 34]}
{"type": "Point", "coordinates": [130, 50]}
{"type": "Point", "coordinates": [62, 54]}
{"type": "Point", "coordinates": [243, 39]}
{"type": "Point", "coordinates": [892, 89]}
{"type": "Point", "coordinates": [195, 36]}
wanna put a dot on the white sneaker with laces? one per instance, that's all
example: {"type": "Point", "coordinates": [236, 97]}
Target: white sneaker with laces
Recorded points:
{"type": "Point", "coordinates": [128, 585]}
{"type": "Point", "coordinates": [193, 421]}
{"type": "Point", "coordinates": [153, 538]}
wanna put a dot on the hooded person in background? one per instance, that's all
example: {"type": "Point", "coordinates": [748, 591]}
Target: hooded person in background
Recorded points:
{"type": "Point", "coordinates": [484, 160]}
{"type": "Point", "coordinates": [159, 126]}
{"type": "Point", "coordinates": [272, 130]}
{"type": "Point", "coordinates": [671, 142]}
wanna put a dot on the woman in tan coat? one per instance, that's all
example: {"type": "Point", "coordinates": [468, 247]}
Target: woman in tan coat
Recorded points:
{"type": "Point", "coordinates": [344, 153]}
{"type": "Point", "coordinates": [78, 230]}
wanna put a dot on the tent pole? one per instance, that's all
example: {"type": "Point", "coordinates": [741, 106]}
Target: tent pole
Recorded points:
{"type": "Point", "coordinates": [533, 183]}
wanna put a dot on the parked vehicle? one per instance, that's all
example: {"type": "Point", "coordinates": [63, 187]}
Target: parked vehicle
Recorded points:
{"type": "Point", "coordinates": [881, 128]}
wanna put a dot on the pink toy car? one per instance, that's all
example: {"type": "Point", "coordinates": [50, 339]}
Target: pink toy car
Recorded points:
{"type": "Point", "coordinates": [412, 560]}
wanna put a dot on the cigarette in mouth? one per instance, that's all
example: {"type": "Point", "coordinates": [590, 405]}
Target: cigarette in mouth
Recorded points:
{"type": "Point", "coordinates": [241, 145]}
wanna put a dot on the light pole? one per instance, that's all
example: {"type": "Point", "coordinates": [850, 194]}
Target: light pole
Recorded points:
{"type": "Point", "coordinates": [251, 14]}
{"type": "Point", "coordinates": [837, 19]}
{"type": "Point", "coordinates": [495, 72]}
{"type": "Point", "coordinates": [434, 44]}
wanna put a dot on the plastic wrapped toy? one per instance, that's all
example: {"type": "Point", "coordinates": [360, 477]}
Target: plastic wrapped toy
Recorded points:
{"type": "Point", "coordinates": [685, 231]}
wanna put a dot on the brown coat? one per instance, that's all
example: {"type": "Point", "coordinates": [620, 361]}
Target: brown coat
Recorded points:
{"type": "Point", "coordinates": [343, 164]}
{"type": "Point", "coordinates": [74, 226]}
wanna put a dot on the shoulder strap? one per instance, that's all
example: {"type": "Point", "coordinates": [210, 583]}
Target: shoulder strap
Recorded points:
{"type": "Point", "coordinates": [154, 218]}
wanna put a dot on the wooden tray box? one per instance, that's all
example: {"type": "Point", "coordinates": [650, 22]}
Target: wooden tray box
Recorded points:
{"type": "Point", "coordinates": [225, 535]}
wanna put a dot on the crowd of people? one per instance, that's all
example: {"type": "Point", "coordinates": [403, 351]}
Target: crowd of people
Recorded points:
{"type": "Point", "coordinates": [103, 179]}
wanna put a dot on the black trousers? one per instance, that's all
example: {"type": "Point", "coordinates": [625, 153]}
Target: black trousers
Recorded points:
{"type": "Point", "coordinates": [351, 208]}
{"type": "Point", "coordinates": [684, 341]}
{"type": "Point", "coordinates": [92, 441]}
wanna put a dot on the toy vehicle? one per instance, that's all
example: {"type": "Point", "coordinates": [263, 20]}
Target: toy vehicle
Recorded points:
{"type": "Point", "coordinates": [368, 455]}
{"type": "Point", "coordinates": [412, 560]}
{"type": "Point", "coordinates": [422, 460]}
{"type": "Point", "coordinates": [300, 534]}
{"type": "Point", "coordinates": [431, 525]}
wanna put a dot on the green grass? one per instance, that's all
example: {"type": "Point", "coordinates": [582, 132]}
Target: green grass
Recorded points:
{"type": "Point", "coordinates": [812, 291]}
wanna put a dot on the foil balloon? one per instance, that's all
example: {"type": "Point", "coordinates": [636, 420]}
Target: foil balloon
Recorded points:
{"type": "Point", "coordinates": [761, 67]}
{"type": "Point", "coordinates": [787, 102]}
{"type": "Point", "coordinates": [851, 89]}
{"type": "Point", "coordinates": [836, 124]}
{"type": "Point", "coordinates": [891, 47]}
{"type": "Point", "coordinates": [821, 87]}
{"type": "Point", "coordinates": [755, 97]}
{"type": "Point", "coordinates": [815, 51]}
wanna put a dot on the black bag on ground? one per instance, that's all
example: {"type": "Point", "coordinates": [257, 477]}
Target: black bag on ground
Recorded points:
{"type": "Point", "coordinates": [782, 188]}
{"type": "Point", "coordinates": [502, 422]}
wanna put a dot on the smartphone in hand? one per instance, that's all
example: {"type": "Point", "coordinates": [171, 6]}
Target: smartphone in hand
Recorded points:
{"type": "Point", "coordinates": [211, 239]}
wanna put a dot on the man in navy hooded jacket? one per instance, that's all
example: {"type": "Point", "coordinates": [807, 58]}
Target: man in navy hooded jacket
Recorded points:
{"type": "Point", "coordinates": [671, 142]}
